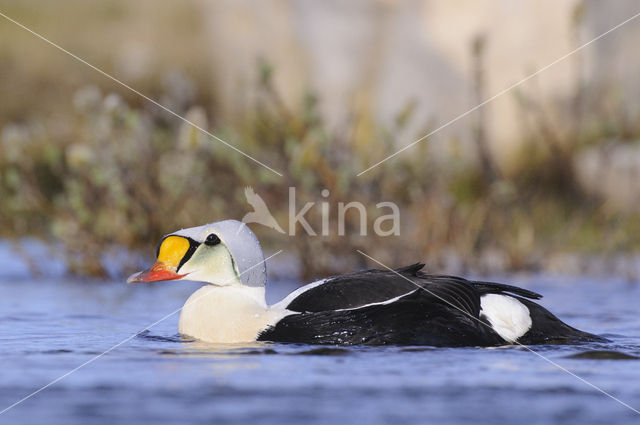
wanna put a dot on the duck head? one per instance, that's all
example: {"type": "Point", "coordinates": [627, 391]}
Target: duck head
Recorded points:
{"type": "Point", "coordinates": [225, 253]}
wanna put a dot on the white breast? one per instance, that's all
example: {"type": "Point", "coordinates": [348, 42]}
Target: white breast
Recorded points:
{"type": "Point", "coordinates": [227, 314]}
{"type": "Point", "coordinates": [508, 317]}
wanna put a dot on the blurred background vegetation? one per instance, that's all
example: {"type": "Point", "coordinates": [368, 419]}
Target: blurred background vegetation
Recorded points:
{"type": "Point", "coordinates": [546, 179]}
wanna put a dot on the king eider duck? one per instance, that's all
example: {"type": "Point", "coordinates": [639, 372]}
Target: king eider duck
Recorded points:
{"type": "Point", "coordinates": [374, 307]}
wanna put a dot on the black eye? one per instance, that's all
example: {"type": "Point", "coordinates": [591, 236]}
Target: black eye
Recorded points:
{"type": "Point", "coordinates": [212, 240]}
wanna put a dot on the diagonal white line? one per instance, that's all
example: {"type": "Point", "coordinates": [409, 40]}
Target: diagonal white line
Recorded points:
{"type": "Point", "coordinates": [127, 339]}
{"type": "Point", "coordinates": [497, 95]}
{"type": "Point", "coordinates": [595, 387]}
{"type": "Point", "coordinates": [147, 98]}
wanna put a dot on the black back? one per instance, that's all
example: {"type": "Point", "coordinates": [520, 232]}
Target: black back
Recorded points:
{"type": "Point", "coordinates": [415, 319]}
{"type": "Point", "coordinates": [408, 307]}
{"type": "Point", "coordinates": [358, 289]}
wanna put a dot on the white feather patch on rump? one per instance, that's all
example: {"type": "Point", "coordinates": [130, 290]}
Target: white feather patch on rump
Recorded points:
{"type": "Point", "coordinates": [508, 317]}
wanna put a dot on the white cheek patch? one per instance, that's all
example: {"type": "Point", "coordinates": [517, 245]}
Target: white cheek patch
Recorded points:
{"type": "Point", "coordinates": [508, 317]}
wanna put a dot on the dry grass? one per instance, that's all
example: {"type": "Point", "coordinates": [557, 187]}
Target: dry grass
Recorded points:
{"type": "Point", "coordinates": [100, 169]}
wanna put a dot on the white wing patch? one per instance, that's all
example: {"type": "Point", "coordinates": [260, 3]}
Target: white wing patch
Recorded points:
{"type": "Point", "coordinates": [508, 317]}
{"type": "Point", "coordinates": [385, 302]}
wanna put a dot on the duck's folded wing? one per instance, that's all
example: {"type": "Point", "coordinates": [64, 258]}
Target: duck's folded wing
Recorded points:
{"type": "Point", "coordinates": [417, 318]}
{"type": "Point", "coordinates": [370, 287]}
{"type": "Point", "coordinates": [501, 288]}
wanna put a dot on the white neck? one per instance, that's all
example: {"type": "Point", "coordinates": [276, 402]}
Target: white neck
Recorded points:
{"type": "Point", "coordinates": [227, 314]}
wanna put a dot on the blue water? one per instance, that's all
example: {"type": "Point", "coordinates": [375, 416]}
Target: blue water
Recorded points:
{"type": "Point", "coordinates": [50, 326]}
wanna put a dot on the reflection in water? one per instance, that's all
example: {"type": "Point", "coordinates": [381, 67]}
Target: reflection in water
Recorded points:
{"type": "Point", "coordinates": [603, 355]}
